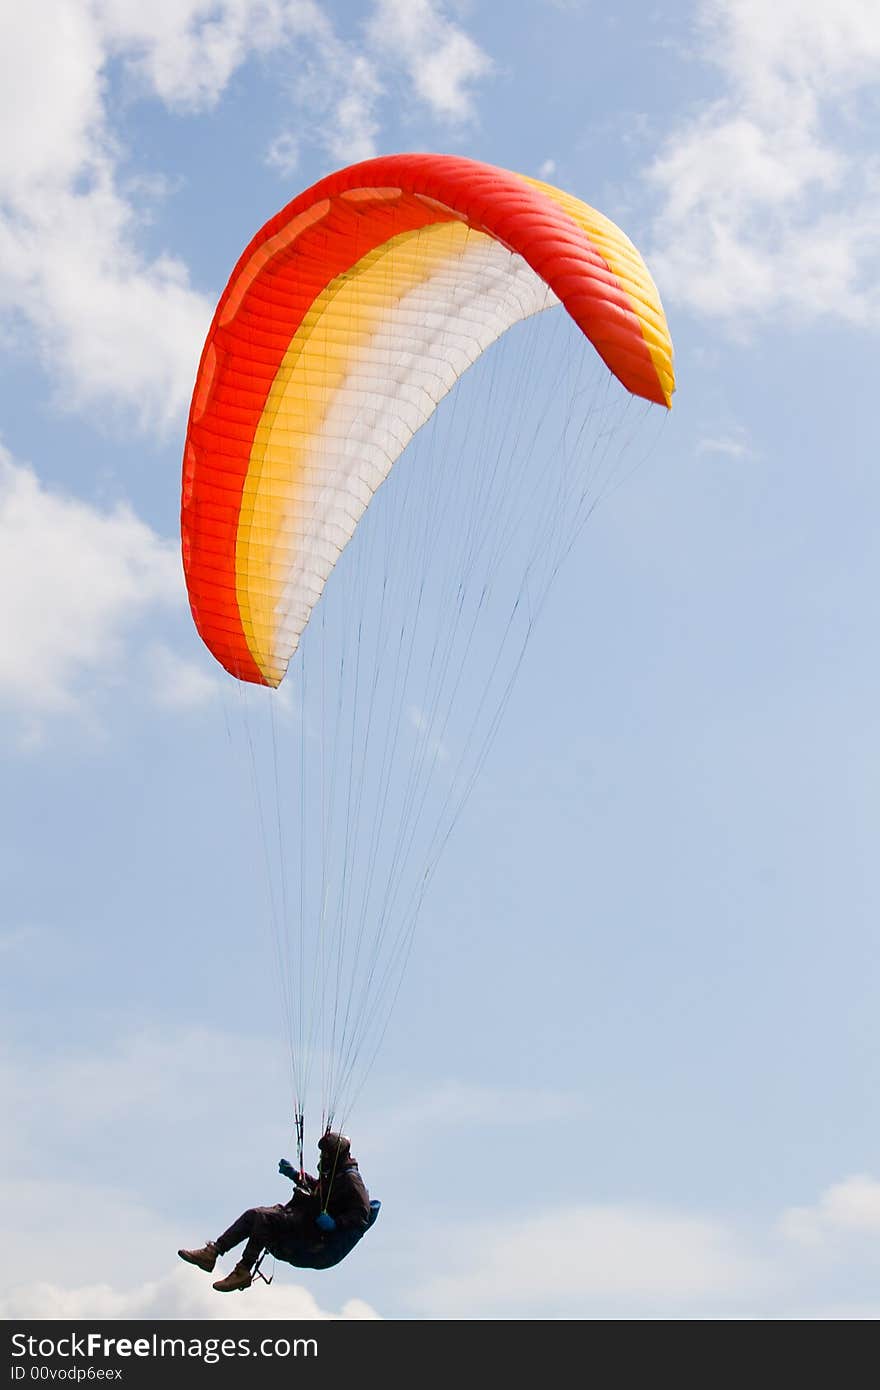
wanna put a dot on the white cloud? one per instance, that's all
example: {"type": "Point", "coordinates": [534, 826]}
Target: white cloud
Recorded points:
{"type": "Point", "coordinates": [112, 329]}
{"type": "Point", "coordinates": [76, 581]}
{"type": "Point", "coordinates": [178, 683]}
{"type": "Point", "coordinates": [114, 326]}
{"type": "Point", "coordinates": [568, 1260]}
{"type": "Point", "coordinates": [187, 53]}
{"type": "Point", "coordinates": [187, 50]}
{"type": "Point", "coordinates": [343, 86]}
{"type": "Point", "coordinates": [283, 153]}
{"type": "Point", "coordinates": [847, 1208]}
{"type": "Point", "coordinates": [771, 194]}
{"type": "Point", "coordinates": [49, 96]}
{"type": "Point", "coordinates": [440, 60]}
{"type": "Point", "coordinates": [731, 445]}
{"type": "Point", "coordinates": [180, 1295]}
{"type": "Point", "coordinates": [342, 89]}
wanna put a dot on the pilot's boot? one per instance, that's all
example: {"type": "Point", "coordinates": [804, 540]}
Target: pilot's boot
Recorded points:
{"type": "Point", "coordinates": [206, 1258]}
{"type": "Point", "coordinates": [240, 1278]}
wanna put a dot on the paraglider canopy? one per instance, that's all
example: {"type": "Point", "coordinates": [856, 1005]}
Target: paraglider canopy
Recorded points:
{"type": "Point", "coordinates": [348, 317]}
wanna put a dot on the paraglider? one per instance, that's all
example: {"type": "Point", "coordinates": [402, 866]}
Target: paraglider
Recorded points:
{"type": "Point", "coordinates": [321, 1224]}
{"type": "Point", "coordinates": [349, 317]}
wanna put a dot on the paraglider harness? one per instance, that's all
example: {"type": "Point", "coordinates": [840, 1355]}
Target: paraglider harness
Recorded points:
{"type": "Point", "coordinates": [331, 1250]}
{"type": "Point", "coordinates": [336, 1247]}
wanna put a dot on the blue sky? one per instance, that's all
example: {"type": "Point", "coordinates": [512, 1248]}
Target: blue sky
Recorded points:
{"type": "Point", "coordinates": [634, 1065]}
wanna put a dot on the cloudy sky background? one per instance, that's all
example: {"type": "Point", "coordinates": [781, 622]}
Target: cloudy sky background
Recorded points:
{"type": "Point", "coordinates": [634, 1069]}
